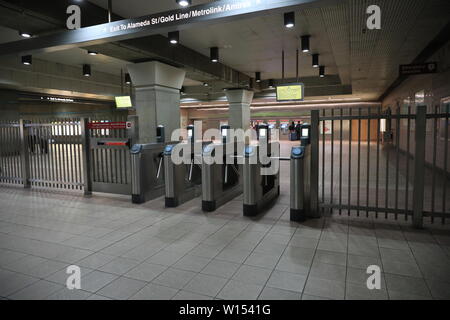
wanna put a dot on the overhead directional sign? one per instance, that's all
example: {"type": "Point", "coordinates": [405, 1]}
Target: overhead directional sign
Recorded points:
{"type": "Point", "coordinates": [419, 68]}
{"type": "Point", "coordinates": [223, 10]}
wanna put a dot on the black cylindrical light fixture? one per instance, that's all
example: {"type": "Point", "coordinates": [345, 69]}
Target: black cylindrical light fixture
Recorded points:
{"type": "Point", "coordinates": [86, 70]}
{"type": "Point", "coordinates": [184, 3]}
{"type": "Point", "coordinates": [322, 71]}
{"type": "Point", "coordinates": [258, 77]}
{"type": "Point", "coordinates": [214, 54]}
{"type": "Point", "coordinates": [92, 53]}
{"type": "Point", "coordinates": [27, 60]}
{"type": "Point", "coordinates": [174, 37]}
{"type": "Point", "coordinates": [127, 78]}
{"type": "Point", "coordinates": [271, 83]}
{"type": "Point", "coordinates": [289, 19]}
{"type": "Point", "coordinates": [315, 60]}
{"type": "Point", "coordinates": [305, 44]}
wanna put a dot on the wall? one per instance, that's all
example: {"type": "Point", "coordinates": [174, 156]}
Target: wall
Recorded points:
{"type": "Point", "coordinates": [436, 88]}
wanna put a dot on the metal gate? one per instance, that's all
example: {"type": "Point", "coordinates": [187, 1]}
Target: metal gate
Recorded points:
{"type": "Point", "coordinates": [42, 153]}
{"type": "Point", "coordinates": [109, 159]}
{"type": "Point", "coordinates": [377, 163]}
{"type": "Point", "coordinates": [71, 154]}
{"type": "Point", "coordinates": [10, 159]}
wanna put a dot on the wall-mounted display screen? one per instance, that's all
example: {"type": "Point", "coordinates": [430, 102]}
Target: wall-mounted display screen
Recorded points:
{"type": "Point", "coordinates": [290, 92]}
{"type": "Point", "coordinates": [124, 102]}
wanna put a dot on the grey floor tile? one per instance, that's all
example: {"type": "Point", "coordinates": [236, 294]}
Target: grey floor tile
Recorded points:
{"type": "Point", "coordinates": [336, 258]}
{"type": "Point", "coordinates": [362, 262]}
{"type": "Point", "coordinates": [221, 268]}
{"type": "Point", "coordinates": [325, 288]}
{"type": "Point", "coordinates": [262, 260]}
{"type": "Point", "coordinates": [174, 278]}
{"type": "Point", "coordinates": [328, 271]}
{"type": "Point", "coordinates": [303, 242]}
{"type": "Point", "coordinates": [311, 298]}
{"type": "Point", "coordinates": [269, 293]}
{"type": "Point", "coordinates": [192, 263]}
{"type": "Point", "coordinates": [155, 292]}
{"type": "Point", "coordinates": [165, 258]}
{"type": "Point", "coordinates": [359, 277]}
{"type": "Point", "coordinates": [287, 281]}
{"type": "Point", "coordinates": [146, 271]}
{"type": "Point", "coordinates": [36, 291]}
{"type": "Point", "coordinates": [119, 266]}
{"type": "Point", "coordinates": [294, 265]}
{"type": "Point", "coordinates": [439, 289]}
{"type": "Point", "coordinates": [96, 260]}
{"type": "Point", "coordinates": [236, 290]}
{"type": "Point", "coordinates": [66, 294]}
{"type": "Point", "coordinates": [396, 295]}
{"type": "Point", "coordinates": [97, 297]}
{"type": "Point", "coordinates": [361, 292]}
{"type": "Point", "coordinates": [96, 280]}
{"type": "Point", "coordinates": [186, 295]}
{"type": "Point", "coordinates": [233, 255]}
{"type": "Point", "coordinates": [205, 285]}
{"type": "Point", "coordinates": [11, 282]}
{"type": "Point", "coordinates": [407, 285]}
{"type": "Point", "coordinates": [122, 288]}
{"type": "Point", "coordinates": [205, 251]}
{"type": "Point", "coordinates": [252, 275]}
{"type": "Point", "coordinates": [405, 269]}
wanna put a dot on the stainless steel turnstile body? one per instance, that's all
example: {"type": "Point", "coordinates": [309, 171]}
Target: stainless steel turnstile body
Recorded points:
{"type": "Point", "coordinates": [300, 182]}
{"type": "Point", "coordinates": [221, 182]}
{"type": "Point", "coordinates": [182, 181]}
{"type": "Point", "coordinates": [259, 189]}
{"type": "Point", "coordinates": [147, 172]}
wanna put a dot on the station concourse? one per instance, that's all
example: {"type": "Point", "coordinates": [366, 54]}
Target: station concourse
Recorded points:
{"type": "Point", "coordinates": [225, 150]}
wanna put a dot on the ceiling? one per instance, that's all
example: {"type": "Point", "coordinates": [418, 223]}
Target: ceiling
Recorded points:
{"type": "Point", "coordinates": [364, 60]}
{"type": "Point", "coordinates": [367, 60]}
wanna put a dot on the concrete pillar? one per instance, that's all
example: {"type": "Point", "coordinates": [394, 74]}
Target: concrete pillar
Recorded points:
{"type": "Point", "coordinates": [157, 97]}
{"type": "Point", "coordinates": [239, 101]}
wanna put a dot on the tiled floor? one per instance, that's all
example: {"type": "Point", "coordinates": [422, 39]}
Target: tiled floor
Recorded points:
{"type": "Point", "coordinates": [128, 251]}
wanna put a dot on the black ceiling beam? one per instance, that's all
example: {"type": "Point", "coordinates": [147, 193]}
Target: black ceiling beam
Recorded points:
{"type": "Point", "coordinates": [110, 32]}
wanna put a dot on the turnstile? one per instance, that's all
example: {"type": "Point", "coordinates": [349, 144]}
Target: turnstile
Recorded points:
{"type": "Point", "coordinates": [182, 181]}
{"type": "Point", "coordinates": [146, 169]}
{"type": "Point", "coordinates": [300, 181]}
{"type": "Point", "coordinates": [221, 180]}
{"type": "Point", "coordinates": [260, 188]}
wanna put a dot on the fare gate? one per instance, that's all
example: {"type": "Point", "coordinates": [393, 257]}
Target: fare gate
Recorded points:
{"type": "Point", "coordinates": [71, 154]}
{"type": "Point", "coordinates": [390, 164]}
{"type": "Point", "coordinates": [109, 162]}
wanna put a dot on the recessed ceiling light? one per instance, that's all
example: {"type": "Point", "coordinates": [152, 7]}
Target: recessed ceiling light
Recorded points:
{"type": "Point", "coordinates": [174, 37]}
{"type": "Point", "coordinates": [27, 60]}
{"type": "Point", "coordinates": [92, 53]}
{"type": "Point", "coordinates": [214, 54]}
{"type": "Point", "coordinates": [184, 3]}
{"type": "Point", "coordinates": [25, 34]}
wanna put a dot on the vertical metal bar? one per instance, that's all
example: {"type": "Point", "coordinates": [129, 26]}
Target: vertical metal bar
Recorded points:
{"type": "Point", "coordinates": [350, 159]}
{"type": "Point", "coordinates": [358, 181]}
{"type": "Point", "coordinates": [377, 187]}
{"type": "Point", "coordinates": [419, 166]}
{"type": "Point", "coordinates": [444, 190]}
{"type": "Point", "coordinates": [388, 149]}
{"type": "Point", "coordinates": [24, 155]}
{"type": "Point", "coordinates": [331, 159]}
{"type": "Point", "coordinates": [297, 66]}
{"type": "Point", "coordinates": [85, 140]}
{"type": "Point", "coordinates": [397, 160]}
{"type": "Point", "coordinates": [368, 161]}
{"type": "Point", "coordinates": [408, 140]}
{"type": "Point", "coordinates": [282, 65]}
{"type": "Point", "coordinates": [433, 175]}
{"type": "Point", "coordinates": [314, 183]}
{"type": "Point", "coordinates": [323, 157]}
{"type": "Point", "coordinates": [341, 124]}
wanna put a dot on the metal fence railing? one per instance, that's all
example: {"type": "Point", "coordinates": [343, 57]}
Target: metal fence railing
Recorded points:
{"type": "Point", "coordinates": [378, 163]}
